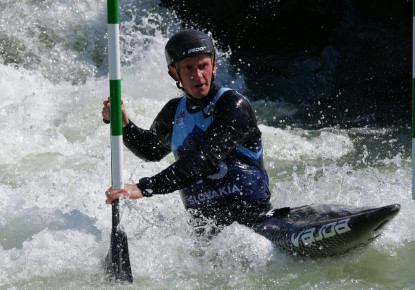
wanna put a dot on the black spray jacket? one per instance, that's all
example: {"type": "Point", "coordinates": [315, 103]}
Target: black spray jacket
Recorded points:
{"type": "Point", "coordinates": [219, 167]}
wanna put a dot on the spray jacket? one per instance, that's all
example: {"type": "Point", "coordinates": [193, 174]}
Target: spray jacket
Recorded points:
{"type": "Point", "coordinates": [217, 146]}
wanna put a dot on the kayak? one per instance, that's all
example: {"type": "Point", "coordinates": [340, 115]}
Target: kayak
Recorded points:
{"type": "Point", "coordinates": [324, 230]}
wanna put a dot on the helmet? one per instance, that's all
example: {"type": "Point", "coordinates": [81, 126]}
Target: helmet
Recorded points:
{"type": "Point", "coordinates": [186, 43]}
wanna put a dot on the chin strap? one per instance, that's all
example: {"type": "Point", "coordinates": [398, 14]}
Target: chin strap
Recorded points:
{"type": "Point", "coordinates": [184, 90]}
{"type": "Point", "coordinates": [179, 86]}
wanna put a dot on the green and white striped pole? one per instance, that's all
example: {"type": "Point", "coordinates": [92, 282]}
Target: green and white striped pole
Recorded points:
{"type": "Point", "coordinates": [413, 100]}
{"type": "Point", "coordinates": [115, 95]}
{"type": "Point", "coordinates": [118, 259]}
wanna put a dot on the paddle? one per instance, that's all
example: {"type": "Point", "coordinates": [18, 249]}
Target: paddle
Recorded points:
{"type": "Point", "coordinates": [117, 260]}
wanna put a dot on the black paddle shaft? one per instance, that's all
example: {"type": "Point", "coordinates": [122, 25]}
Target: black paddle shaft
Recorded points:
{"type": "Point", "coordinates": [115, 214]}
{"type": "Point", "coordinates": [118, 258]}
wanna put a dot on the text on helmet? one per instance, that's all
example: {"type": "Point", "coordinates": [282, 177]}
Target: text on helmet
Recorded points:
{"type": "Point", "coordinates": [196, 49]}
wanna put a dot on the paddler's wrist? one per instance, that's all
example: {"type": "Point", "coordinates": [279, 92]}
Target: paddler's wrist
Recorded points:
{"type": "Point", "coordinates": [145, 191]}
{"type": "Point", "coordinates": [125, 122]}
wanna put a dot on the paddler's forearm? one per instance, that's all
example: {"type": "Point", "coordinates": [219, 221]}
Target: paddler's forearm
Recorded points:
{"type": "Point", "coordinates": [145, 144]}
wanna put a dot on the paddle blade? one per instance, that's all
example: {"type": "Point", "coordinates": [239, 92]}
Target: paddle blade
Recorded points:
{"type": "Point", "coordinates": [118, 260]}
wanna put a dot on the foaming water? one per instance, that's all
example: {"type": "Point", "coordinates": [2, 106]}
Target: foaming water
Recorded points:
{"type": "Point", "coordinates": [55, 167]}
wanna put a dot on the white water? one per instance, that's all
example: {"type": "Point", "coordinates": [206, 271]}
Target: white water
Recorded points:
{"type": "Point", "coordinates": [55, 167]}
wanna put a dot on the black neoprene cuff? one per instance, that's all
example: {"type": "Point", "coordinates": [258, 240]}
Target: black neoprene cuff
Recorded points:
{"type": "Point", "coordinates": [147, 192]}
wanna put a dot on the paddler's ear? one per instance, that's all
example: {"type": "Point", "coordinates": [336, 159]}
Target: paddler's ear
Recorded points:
{"type": "Point", "coordinates": [173, 73]}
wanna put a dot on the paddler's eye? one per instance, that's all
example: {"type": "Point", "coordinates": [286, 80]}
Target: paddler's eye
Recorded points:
{"type": "Point", "coordinates": [188, 68]}
{"type": "Point", "coordinates": [204, 65]}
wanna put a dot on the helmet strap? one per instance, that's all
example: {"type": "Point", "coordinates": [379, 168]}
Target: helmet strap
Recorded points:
{"type": "Point", "coordinates": [213, 58]}
{"type": "Point", "coordinates": [184, 90]}
{"type": "Point", "coordinates": [178, 83]}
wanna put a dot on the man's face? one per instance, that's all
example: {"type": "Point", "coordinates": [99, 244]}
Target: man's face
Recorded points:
{"type": "Point", "coordinates": [196, 74]}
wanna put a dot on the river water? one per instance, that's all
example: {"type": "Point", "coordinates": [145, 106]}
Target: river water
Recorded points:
{"type": "Point", "coordinates": [55, 167]}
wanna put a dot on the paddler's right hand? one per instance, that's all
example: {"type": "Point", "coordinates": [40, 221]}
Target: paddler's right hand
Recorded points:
{"type": "Point", "coordinates": [130, 191]}
{"type": "Point", "coordinates": [106, 113]}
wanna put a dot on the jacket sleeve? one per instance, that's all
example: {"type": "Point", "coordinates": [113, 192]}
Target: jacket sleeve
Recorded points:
{"type": "Point", "coordinates": [152, 144]}
{"type": "Point", "coordinates": [234, 123]}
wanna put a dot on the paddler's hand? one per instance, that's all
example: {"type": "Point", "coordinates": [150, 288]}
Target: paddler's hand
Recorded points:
{"type": "Point", "coordinates": [130, 191]}
{"type": "Point", "coordinates": [106, 113]}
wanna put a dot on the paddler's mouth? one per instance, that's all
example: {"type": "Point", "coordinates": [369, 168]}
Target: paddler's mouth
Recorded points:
{"type": "Point", "coordinates": [200, 86]}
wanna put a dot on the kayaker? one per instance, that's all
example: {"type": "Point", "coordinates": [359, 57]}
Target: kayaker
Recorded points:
{"type": "Point", "coordinates": [213, 134]}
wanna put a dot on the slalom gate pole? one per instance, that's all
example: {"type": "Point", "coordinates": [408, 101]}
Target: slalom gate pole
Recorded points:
{"type": "Point", "coordinates": [118, 260]}
{"type": "Point", "coordinates": [413, 100]}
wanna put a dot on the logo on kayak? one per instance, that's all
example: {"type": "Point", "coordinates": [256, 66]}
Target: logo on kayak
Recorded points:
{"type": "Point", "coordinates": [309, 236]}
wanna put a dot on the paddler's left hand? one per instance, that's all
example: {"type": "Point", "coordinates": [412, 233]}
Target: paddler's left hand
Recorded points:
{"type": "Point", "coordinates": [106, 113]}
{"type": "Point", "coordinates": [130, 191]}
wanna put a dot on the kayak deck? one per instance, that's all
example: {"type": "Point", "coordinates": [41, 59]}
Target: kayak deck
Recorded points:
{"type": "Point", "coordinates": [324, 230]}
